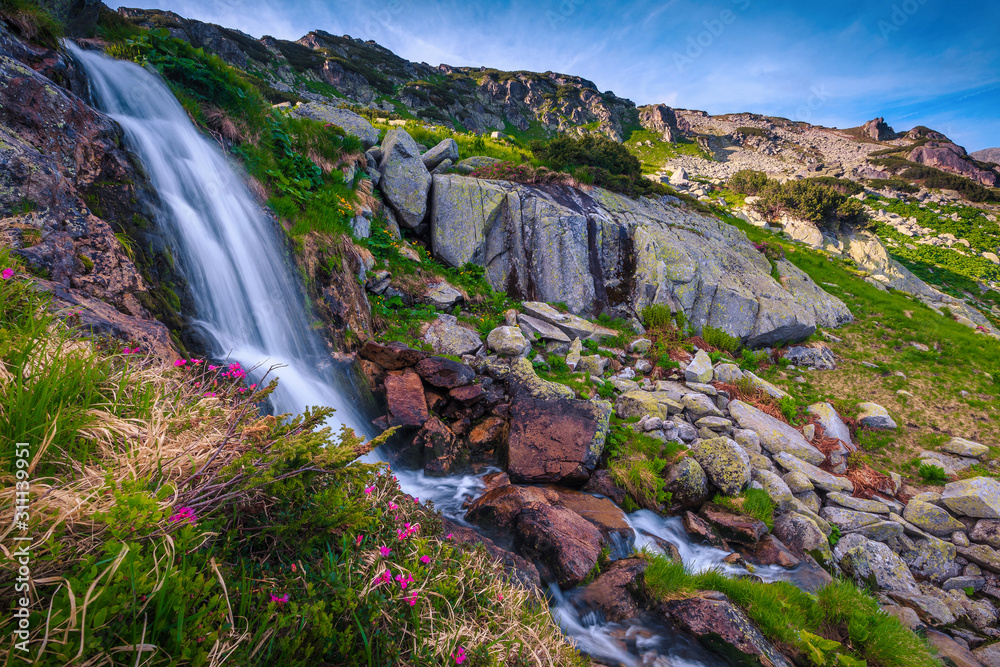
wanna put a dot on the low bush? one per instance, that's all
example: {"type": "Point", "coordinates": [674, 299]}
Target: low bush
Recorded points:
{"type": "Point", "coordinates": [718, 338]}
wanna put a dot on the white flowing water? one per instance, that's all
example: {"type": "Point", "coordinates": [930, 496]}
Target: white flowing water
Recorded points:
{"type": "Point", "coordinates": [250, 308]}
{"type": "Point", "coordinates": [247, 301]}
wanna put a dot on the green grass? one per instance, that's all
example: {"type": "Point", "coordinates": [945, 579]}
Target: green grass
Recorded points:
{"type": "Point", "coordinates": [851, 623]}
{"type": "Point", "coordinates": [32, 22]}
{"type": "Point", "coordinates": [637, 461]}
{"type": "Point", "coordinates": [654, 157]}
{"type": "Point", "coordinates": [751, 502]}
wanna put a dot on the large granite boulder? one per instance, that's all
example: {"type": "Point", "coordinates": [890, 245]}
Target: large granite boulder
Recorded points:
{"type": "Point", "coordinates": [405, 180]}
{"type": "Point", "coordinates": [597, 249]}
{"type": "Point", "coordinates": [978, 497]}
{"type": "Point", "coordinates": [726, 464]}
{"type": "Point", "coordinates": [447, 149]}
{"type": "Point", "coordinates": [558, 441]}
{"type": "Point", "coordinates": [873, 564]}
{"type": "Point", "coordinates": [447, 336]}
{"type": "Point", "coordinates": [345, 119]}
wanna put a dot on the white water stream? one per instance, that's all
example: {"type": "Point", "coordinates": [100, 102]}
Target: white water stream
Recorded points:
{"type": "Point", "coordinates": [251, 309]}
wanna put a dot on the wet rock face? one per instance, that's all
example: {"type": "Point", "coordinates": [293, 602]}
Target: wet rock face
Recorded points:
{"type": "Point", "coordinates": [566, 543]}
{"type": "Point", "coordinates": [599, 250]}
{"type": "Point", "coordinates": [617, 592]}
{"type": "Point", "coordinates": [57, 152]}
{"type": "Point", "coordinates": [723, 627]}
{"type": "Point", "coordinates": [556, 441]}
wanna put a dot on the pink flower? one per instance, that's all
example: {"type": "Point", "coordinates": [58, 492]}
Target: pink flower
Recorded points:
{"type": "Point", "coordinates": [253, 386]}
{"type": "Point", "coordinates": [280, 600]}
{"type": "Point", "coordinates": [180, 362]}
{"type": "Point", "coordinates": [448, 536]}
{"type": "Point", "coordinates": [212, 368]}
{"type": "Point", "coordinates": [499, 597]}
{"type": "Point", "coordinates": [357, 540]}
{"type": "Point", "coordinates": [8, 274]}
{"type": "Point", "coordinates": [209, 394]}
{"type": "Point", "coordinates": [412, 600]}
{"type": "Point", "coordinates": [368, 490]}
{"type": "Point", "coordinates": [416, 501]}
{"type": "Point", "coordinates": [184, 514]}
{"type": "Point", "coordinates": [404, 581]}
{"type": "Point", "coordinates": [393, 506]}
{"type": "Point", "coordinates": [383, 578]}
{"type": "Point", "coordinates": [426, 560]}
{"type": "Point", "coordinates": [196, 361]}
{"type": "Point", "coordinates": [385, 551]}
{"type": "Point", "coordinates": [459, 656]}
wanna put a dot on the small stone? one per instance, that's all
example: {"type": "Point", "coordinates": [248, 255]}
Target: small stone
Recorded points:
{"type": "Point", "coordinates": [961, 583]}
{"type": "Point", "coordinates": [700, 405]}
{"type": "Point", "coordinates": [507, 341]}
{"type": "Point", "coordinates": [797, 482]}
{"type": "Point", "coordinates": [640, 345]}
{"type": "Point", "coordinates": [443, 296]}
{"type": "Point", "coordinates": [573, 356]}
{"type": "Point", "coordinates": [748, 440]}
{"type": "Point", "coordinates": [637, 403]}
{"type": "Point", "coordinates": [643, 366]}
{"type": "Point", "coordinates": [591, 365]}
{"type": "Point", "coordinates": [809, 432]}
{"type": "Point", "coordinates": [931, 518]}
{"type": "Point", "coordinates": [857, 504]}
{"type": "Point", "coordinates": [876, 417]}
{"type": "Point", "coordinates": [700, 369]}
{"type": "Point", "coordinates": [726, 464]}
{"type": "Point", "coordinates": [706, 389]}
{"type": "Point", "coordinates": [818, 477]}
{"type": "Point", "coordinates": [714, 423]}
{"type": "Point", "coordinates": [963, 447]}
{"type": "Point", "coordinates": [728, 373]}
{"type": "Point", "coordinates": [775, 487]}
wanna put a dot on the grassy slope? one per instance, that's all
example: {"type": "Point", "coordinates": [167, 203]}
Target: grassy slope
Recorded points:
{"type": "Point", "coordinates": [886, 323]}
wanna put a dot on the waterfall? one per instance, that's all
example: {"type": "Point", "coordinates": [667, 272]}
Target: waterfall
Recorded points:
{"type": "Point", "coordinates": [247, 300]}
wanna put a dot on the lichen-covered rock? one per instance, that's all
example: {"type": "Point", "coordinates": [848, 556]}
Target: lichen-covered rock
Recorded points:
{"type": "Point", "coordinates": [732, 526]}
{"type": "Point", "coordinates": [833, 425]}
{"type": "Point", "coordinates": [857, 504]}
{"type": "Point", "coordinates": [978, 497]}
{"type": "Point", "coordinates": [345, 119]}
{"type": "Point", "coordinates": [930, 558]}
{"type": "Point", "coordinates": [447, 336]}
{"type": "Point", "coordinates": [572, 325]}
{"type": "Point", "coordinates": [873, 564]}
{"type": "Point", "coordinates": [687, 482]}
{"type": "Point", "coordinates": [982, 555]}
{"type": "Point", "coordinates": [591, 365]}
{"type": "Point", "coordinates": [699, 405]}
{"type": "Point", "coordinates": [775, 487]}
{"type": "Point", "coordinates": [447, 149]}
{"type": "Point", "coordinates": [763, 385]}
{"type": "Point", "coordinates": [797, 482]}
{"type": "Point", "coordinates": [597, 250]}
{"type": "Point", "coordinates": [726, 464]}
{"type": "Point", "coordinates": [637, 403]}
{"type": "Point", "coordinates": [542, 329]}
{"type": "Point", "coordinates": [802, 535]}
{"type": "Point", "coordinates": [875, 416]}
{"type": "Point", "coordinates": [931, 518]}
{"type": "Point", "coordinates": [729, 373]}
{"type": "Point", "coordinates": [963, 447]}
{"type": "Point", "coordinates": [522, 381]}
{"type": "Point", "coordinates": [775, 435]}
{"type": "Point", "coordinates": [557, 441]}
{"type": "Point", "coordinates": [442, 296]}
{"type": "Point", "coordinates": [986, 531]}
{"type": "Point", "coordinates": [507, 341]}
{"type": "Point", "coordinates": [820, 478]}
{"type": "Point", "coordinates": [405, 180]}
{"type": "Point", "coordinates": [700, 368]}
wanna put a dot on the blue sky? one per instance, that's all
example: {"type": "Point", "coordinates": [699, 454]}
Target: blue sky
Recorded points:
{"type": "Point", "coordinates": [840, 63]}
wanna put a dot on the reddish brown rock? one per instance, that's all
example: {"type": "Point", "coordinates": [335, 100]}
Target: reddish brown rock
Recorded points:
{"type": "Point", "coordinates": [617, 592]}
{"type": "Point", "coordinates": [467, 395]}
{"type": "Point", "coordinates": [495, 480]}
{"type": "Point", "coordinates": [373, 371]}
{"type": "Point", "coordinates": [522, 571]}
{"type": "Point", "coordinates": [404, 397]}
{"type": "Point", "coordinates": [949, 157]}
{"type": "Point", "coordinates": [487, 434]}
{"type": "Point", "coordinates": [604, 514]}
{"type": "Point", "coordinates": [566, 543]}
{"type": "Point", "coordinates": [497, 509]}
{"type": "Point", "coordinates": [769, 551]}
{"type": "Point", "coordinates": [733, 527]}
{"type": "Point", "coordinates": [445, 373]}
{"type": "Point", "coordinates": [601, 482]}
{"type": "Point", "coordinates": [441, 451]}
{"type": "Point", "coordinates": [701, 531]}
{"type": "Point", "coordinates": [435, 400]}
{"type": "Point", "coordinates": [722, 627]}
{"type": "Point", "coordinates": [557, 441]}
{"type": "Point", "coordinates": [392, 356]}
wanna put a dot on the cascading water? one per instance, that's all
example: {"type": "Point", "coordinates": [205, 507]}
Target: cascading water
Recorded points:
{"type": "Point", "coordinates": [250, 308]}
{"type": "Point", "coordinates": [247, 301]}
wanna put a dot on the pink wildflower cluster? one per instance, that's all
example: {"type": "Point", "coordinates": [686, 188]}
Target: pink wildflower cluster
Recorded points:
{"type": "Point", "coordinates": [459, 656]}
{"type": "Point", "coordinates": [279, 599]}
{"type": "Point", "coordinates": [184, 514]}
{"type": "Point", "coordinates": [235, 372]}
{"type": "Point", "coordinates": [407, 530]}
{"type": "Point", "coordinates": [8, 274]}
{"type": "Point", "coordinates": [130, 350]}
{"type": "Point", "coordinates": [404, 581]}
{"type": "Point", "coordinates": [384, 578]}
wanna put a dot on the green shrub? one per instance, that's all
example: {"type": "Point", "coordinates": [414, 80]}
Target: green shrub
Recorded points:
{"type": "Point", "coordinates": [811, 200]}
{"type": "Point", "coordinates": [720, 339]}
{"type": "Point", "coordinates": [748, 182]}
{"type": "Point", "coordinates": [656, 315]}
{"type": "Point", "coordinates": [932, 474]}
